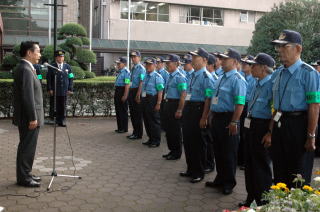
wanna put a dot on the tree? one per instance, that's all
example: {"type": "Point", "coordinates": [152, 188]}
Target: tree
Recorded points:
{"type": "Point", "coordinates": [299, 15]}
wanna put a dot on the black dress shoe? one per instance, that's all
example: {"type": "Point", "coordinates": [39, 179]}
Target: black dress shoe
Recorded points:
{"type": "Point", "coordinates": [242, 168]}
{"type": "Point", "coordinates": [227, 191]}
{"type": "Point", "coordinates": [134, 137]}
{"type": "Point", "coordinates": [172, 157]}
{"type": "Point", "coordinates": [166, 155]}
{"type": "Point", "coordinates": [62, 125]}
{"type": "Point", "coordinates": [196, 180]}
{"type": "Point", "coordinates": [122, 131]}
{"type": "Point", "coordinates": [147, 143]}
{"type": "Point", "coordinates": [244, 204]}
{"type": "Point", "coordinates": [213, 184]}
{"type": "Point", "coordinates": [128, 136]}
{"type": "Point", "coordinates": [185, 174]}
{"type": "Point", "coordinates": [30, 184]}
{"type": "Point", "coordinates": [208, 170]}
{"type": "Point", "coordinates": [153, 145]}
{"type": "Point", "coordinates": [35, 178]}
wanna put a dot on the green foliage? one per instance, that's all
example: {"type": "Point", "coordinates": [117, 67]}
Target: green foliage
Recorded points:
{"type": "Point", "coordinates": [89, 99]}
{"type": "Point", "coordinates": [72, 29]}
{"type": "Point", "coordinates": [299, 15]}
{"type": "Point", "coordinates": [48, 54]}
{"type": "Point", "coordinates": [85, 41]}
{"type": "Point", "coordinates": [73, 63]}
{"type": "Point", "coordinates": [78, 72]}
{"type": "Point", "coordinates": [16, 50]}
{"type": "Point", "coordinates": [5, 75]}
{"type": "Point", "coordinates": [86, 56]}
{"type": "Point", "coordinates": [9, 61]}
{"type": "Point", "coordinates": [74, 41]}
{"type": "Point", "coordinates": [89, 74]}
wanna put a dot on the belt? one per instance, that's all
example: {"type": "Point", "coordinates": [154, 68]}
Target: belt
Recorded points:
{"type": "Point", "coordinates": [171, 100]}
{"type": "Point", "coordinates": [150, 96]}
{"type": "Point", "coordinates": [222, 114]}
{"type": "Point", "coordinates": [259, 120]}
{"type": "Point", "coordinates": [119, 87]}
{"type": "Point", "coordinates": [133, 88]}
{"type": "Point", "coordinates": [293, 113]}
{"type": "Point", "coordinates": [190, 103]}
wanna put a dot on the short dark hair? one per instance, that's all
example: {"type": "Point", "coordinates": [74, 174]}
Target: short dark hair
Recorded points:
{"type": "Point", "coordinates": [26, 46]}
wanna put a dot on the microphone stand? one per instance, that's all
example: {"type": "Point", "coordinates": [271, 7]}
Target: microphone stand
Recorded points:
{"type": "Point", "coordinates": [54, 172]}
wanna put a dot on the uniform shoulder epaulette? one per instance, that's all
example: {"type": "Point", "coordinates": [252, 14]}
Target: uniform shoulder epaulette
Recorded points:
{"type": "Point", "coordinates": [307, 66]}
{"type": "Point", "coordinates": [240, 76]}
{"type": "Point", "coordinates": [206, 74]}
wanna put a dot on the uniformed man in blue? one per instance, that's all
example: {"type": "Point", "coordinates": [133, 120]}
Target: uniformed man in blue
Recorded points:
{"type": "Point", "coordinates": [138, 73]}
{"type": "Point", "coordinates": [187, 64]}
{"type": "Point", "coordinates": [251, 83]}
{"type": "Point", "coordinates": [258, 173]}
{"type": "Point", "coordinates": [316, 65]}
{"type": "Point", "coordinates": [174, 98]}
{"type": "Point", "coordinates": [227, 105]}
{"type": "Point", "coordinates": [151, 97]}
{"type": "Point", "coordinates": [64, 87]}
{"type": "Point", "coordinates": [195, 115]}
{"type": "Point", "coordinates": [206, 133]}
{"type": "Point", "coordinates": [296, 99]}
{"type": "Point", "coordinates": [122, 86]}
{"type": "Point", "coordinates": [219, 70]}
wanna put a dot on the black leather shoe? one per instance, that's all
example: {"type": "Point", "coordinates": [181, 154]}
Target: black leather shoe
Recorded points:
{"type": "Point", "coordinates": [172, 157]}
{"type": "Point", "coordinates": [242, 168]}
{"type": "Point", "coordinates": [244, 203]}
{"type": "Point", "coordinates": [166, 155]}
{"type": "Point", "coordinates": [208, 170]}
{"type": "Point", "coordinates": [227, 191]}
{"type": "Point", "coordinates": [130, 135]}
{"type": "Point", "coordinates": [152, 145]}
{"type": "Point", "coordinates": [35, 178]}
{"type": "Point", "coordinates": [147, 143]}
{"type": "Point", "coordinates": [122, 131]}
{"type": "Point", "coordinates": [185, 174]}
{"type": "Point", "coordinates": [30, 184]}
{"type": "Point", "coordinates": [213, 184]}
{"type": "Point", "coordinates": [134, 137]}
{"type": "Point", "coordinates": [196, 180]}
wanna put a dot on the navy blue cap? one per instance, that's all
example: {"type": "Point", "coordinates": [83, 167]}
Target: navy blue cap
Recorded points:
{"type": "Point", "coordinates": [172, 58]}
{"type": "Point", "coordinates": [212, 59]}
{"type": "Point", "coordinates": [160, 59]}
{"type": "Point", "coordinates": [216, 54]}
{"type": "Point", "coordinates": [135, 53]}
{"type": "Point", "coordinates": [150, 60]}
{"type": "Point", "coordinates": [187, 59]}
{"type": "Point", "coordinates": [316, 63]}
{"type": "Point", "coordinates": [200, 52]}
{"type": "Point", "coordinates": [288, 36]}
{"type": "Point", "coordinates": [60, 53]}
{"type": "Point", "coordinates": [122, 60]}
{"type": "Point", "coordinates": [263, 59]}
{"type": "Point", "coordinates": [231, 53]}
{"type": "Point", "coordinates": [248, 57]}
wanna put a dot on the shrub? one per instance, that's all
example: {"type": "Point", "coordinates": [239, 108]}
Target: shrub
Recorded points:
{"type": "Point", "coordinates": [89, 74]}
{"type": "Point", "coordinates": [78, 72]}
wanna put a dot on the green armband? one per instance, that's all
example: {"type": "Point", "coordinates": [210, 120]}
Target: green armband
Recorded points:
{"type": "Point", "coordinates": [182, 86]}
{"type": "Point", "coordinates": [208, 92]}
{"type": "Point", "coordinates": [313, 97]}
{"type": "Point", "coordinates": [142, 77]}
{"type": "Point", "coordinates": [160, 87]}
{"type": "Point", "coordinates": [239, 100]}
{"type": "Point", "coordinates": [126, 81]}
{"type": "Point", "coordinates": [71, 76]}
{"type": "Point", "coordinates": [39, 76]}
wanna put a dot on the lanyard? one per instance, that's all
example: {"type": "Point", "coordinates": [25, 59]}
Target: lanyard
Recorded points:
{"type": "Point", "coordinates": [284, 90]}
{"type": "Point", "coordinates": [193, 80]}
{"type": "Point", "coordinates": [169, 80]}
{"type": "Point", "coordinates": [255, 98]}
{"type": "Point", "coordinates": [132, 72]}
{"type": "Point", "coordinates": [218, 89]}
{"type": "Point", "coordinates": [147, 81]}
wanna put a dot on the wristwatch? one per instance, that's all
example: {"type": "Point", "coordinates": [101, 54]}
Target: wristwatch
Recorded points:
{"type": "Point", "coordinates": [310, 135]}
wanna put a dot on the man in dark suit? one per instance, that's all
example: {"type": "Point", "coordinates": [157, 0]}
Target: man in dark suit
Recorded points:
{"type": "Point", "coordinates": [28, 112]}
{"type": "Point", "coordinates": [64, 87]}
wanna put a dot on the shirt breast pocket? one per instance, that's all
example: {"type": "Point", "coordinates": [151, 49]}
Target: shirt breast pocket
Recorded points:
{"type": "Point", "coordinates": [297, 96]}
{"type": "Point", "coordinates": [225, 91]}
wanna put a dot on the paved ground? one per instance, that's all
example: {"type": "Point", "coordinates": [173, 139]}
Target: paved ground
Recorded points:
{"type": "Point", "coordinates": [118, 175]}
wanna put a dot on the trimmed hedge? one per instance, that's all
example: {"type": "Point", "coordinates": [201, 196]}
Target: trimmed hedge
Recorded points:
{"type": "Point", "coordinates": [91, 98]}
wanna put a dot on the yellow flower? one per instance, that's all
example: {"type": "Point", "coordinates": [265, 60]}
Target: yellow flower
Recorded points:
{"type": "Point", "coordinates": [286, 190]}
{"type": "Point", "coordinates": [317, 172]}
{"type": "Point", "coordinates": [275, 187]}
{"type": "Point", "coordinates": [317, 192]}
{"type": "Point", "coordinates": [307, 188]}
{"type": "Point", "coordinates": [282, 185]}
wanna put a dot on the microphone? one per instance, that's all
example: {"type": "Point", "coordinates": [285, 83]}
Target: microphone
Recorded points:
{"type": "Point", "coordinates": [55, 68]}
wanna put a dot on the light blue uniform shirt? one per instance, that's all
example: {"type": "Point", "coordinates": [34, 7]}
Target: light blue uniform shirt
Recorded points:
{"type": "Point", "coordinates": [138, 73]}
{"type": "Point", "coordinates": [219, 72]}
{"type": "Point", "coordinates": [230, 89]}
{"type": "Point", "coordinates": [153, 83]}
{"type": "Point", "coordinates": [259, 105]}
{"type": "Point", "coordinates": [183, 72]}
{"type": "Point", "coordinates": [200, 85]}
{"type": "Point", "coordinates": [188, 74]}
{"type": "Point", "coordinates": [164, 74]}
{"type": "Point", "coordinates": [251, 84]}
{"type": "Point", "coordinates": [123, 77]}
{"type": "Point", "coordinates": [295, 87]}
{"type": "Point", "coordinates": [176, 84]}
{"type": "Point", "coordinates": [214, 76]}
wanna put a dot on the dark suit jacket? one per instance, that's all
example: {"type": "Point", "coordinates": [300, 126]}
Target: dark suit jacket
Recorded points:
{"type": "Point", "coordinates": [64, 79]}
{"type": "Point", "coordinates": [28, 101]}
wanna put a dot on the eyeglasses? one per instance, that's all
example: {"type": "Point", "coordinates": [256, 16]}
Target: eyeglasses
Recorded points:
{"type": "Point", "coordinates": [279, 46]}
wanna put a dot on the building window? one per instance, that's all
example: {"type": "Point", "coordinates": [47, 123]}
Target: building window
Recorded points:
{"type": "Point", "coordinates": [27, 17]}
{"type": "Point", "coordinates": [146, 11]}
{"type": "Point", "coordinates": [201, 16]}
{"type": "Point", "coordinates": [247, 17]}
